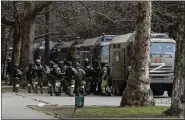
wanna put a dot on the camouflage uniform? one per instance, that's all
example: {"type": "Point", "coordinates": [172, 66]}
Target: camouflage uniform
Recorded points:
{"type": "Point", "coordinates": [16, 76]}
{"type": "Point", "coordinates": [30, 77]}
{"type": "Point", "coordinates": [52, 73]}
{"type": "Point", "coordinates": [80, 82]}
{"type": "Point", "coordinates": [70, 79]}
{"type": "Point", "coordinates": [39, 76]}
{"type": "Point", "coordinates": [88, 78]}
{"type": "Point", "coordinates": [95, 85]}
{"type": "Point", "coordinates": [62, 69]}
{"type": "Point", "coordinates": [105, 88]}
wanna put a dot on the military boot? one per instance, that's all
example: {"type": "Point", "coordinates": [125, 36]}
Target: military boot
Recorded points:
{"type": "Point", "coordinates": [29, 88]}
{"type": "Point", "coordinates": [71, 90]}
{"type": "Point", "coordinates": [83, 92]}
{"type": "Point", "coordinates": [41, 90]}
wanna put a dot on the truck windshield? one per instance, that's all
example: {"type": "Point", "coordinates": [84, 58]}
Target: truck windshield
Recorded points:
{"type": "Point", "coordinates": [162, 48]}
{"type": "Point", "coordinates": [105, 51]}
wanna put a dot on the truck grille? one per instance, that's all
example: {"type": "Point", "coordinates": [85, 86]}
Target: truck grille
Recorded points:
{"type": "Point", "coordinates": [164, 68]}
{"type": "Point", "coordinates": [159, 77]}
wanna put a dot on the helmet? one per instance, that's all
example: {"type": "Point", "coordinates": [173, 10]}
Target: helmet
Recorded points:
{"type": "Point", "coordinates": [51, 62]}
{"type": "Point", "coordinates": [38, 61]}
{"type": "Point", "coordinates": [69, 64]}
{"type": "Point", "coordinates": [77, 64]}
{"type": "Point", "coordinates": [61, 62]}
{"type": "Point", "coordinates": [65, 62]}
{"type": "Point", "coordinates": [16, 66]}
{"type": "Point", "coordinates": [86, 60]}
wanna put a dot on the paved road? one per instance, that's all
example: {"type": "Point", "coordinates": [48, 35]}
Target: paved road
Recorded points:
{"type": "Point", "coordinates": [14, 107]}
{"type": "Point", "coordinates": [92, 100]}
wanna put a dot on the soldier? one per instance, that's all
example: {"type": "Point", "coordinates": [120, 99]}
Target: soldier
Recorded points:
{"type": "Point", "coordinates": [16, 76]}
{"type": "Point", "coordinates": [89, 73]}
{"type": "Point", "coordinates": [30, 77]}
{"type": "Point", "coordinates": [57, 74]}
{"type": "Point", "coordinates": [39, 74]}
{"type": "Point", "coordinates": [51, 78]}
{"type": "Point", "coordinates": [65, 81]}
{"type": "Point", "coordinates": [80, 82]}
{"type": "Point", "coordinates": [97, 69]}
{"type": "Point", "coordinates": [62, 69]}
{"type": "Point", "coordinates": [70, 79]}
{"type": "Point", "coordinates": [105, 80]}
{"type": "Point", "coordinates": [8, 70]}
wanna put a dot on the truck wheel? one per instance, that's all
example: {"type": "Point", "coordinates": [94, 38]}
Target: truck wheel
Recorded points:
{"type": "Point", "coordinates": [169, 92]}
{"type": "Point", "coordinates": [155, 92]}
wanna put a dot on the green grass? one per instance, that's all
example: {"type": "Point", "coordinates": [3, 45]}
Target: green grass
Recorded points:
{"type": "Point", "coordinates": [105, 112]}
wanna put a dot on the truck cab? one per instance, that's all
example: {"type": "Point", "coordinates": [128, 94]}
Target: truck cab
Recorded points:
{"type": "Point", "coordinates": [162, 55]}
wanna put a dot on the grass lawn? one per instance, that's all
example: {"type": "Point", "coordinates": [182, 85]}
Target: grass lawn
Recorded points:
{"type": "Point", "coordinates": [103, 111]}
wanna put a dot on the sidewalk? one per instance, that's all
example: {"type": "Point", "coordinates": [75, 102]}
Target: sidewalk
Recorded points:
{"type": "Point", "coordinates": [14, 107]}
{"type": "Point", "coordinates": [88, 100]}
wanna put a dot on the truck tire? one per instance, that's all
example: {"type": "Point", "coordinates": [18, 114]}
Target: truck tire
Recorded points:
{"type": "Point", "coordinates": [169, 92]}
{"type": "Point", "coordinates": [157, 92]}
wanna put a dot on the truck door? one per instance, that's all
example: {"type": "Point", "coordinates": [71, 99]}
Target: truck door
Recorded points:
{"type": "Point", "coordinates": [85, 54]}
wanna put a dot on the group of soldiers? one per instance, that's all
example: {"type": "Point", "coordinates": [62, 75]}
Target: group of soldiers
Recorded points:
{"type": "Point", "coordinates": [70, 78]}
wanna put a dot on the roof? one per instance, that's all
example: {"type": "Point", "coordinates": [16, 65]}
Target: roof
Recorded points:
{"type": "Point", "coordinates": [162, 40]}
{"type": "Point", "coordinates": [121, 38]}
{"type": "Point", "coordinates": [91, 41]}
{"type": "Point", "coordinates": [41, 45]}
{"type": "Point", "coordinates": [66, 44]}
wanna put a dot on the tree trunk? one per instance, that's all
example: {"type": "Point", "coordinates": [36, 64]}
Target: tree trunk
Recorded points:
{"type": "Point", "coordinates": [47, 42]}
{"type": "Point", "coordinates": [15, 52]}
{"type": "Point", "coordinates": [27, 37]}
{"type": "Point", "coordinates": [3, 50]}
{"type": "Point", "coordinates": [177, 107]}
{"type": "Point", "coordinates": [137, 91]}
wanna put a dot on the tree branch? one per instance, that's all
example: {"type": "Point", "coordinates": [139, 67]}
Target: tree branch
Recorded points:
{"type": "Point", "coordinates": [8, 22]}
{"type": "Point", "coordinates": [87, 11]}
{"type": "Point", "coordinates": [43, 35]}
{"type": "Point", "coordinates": [38, 9]}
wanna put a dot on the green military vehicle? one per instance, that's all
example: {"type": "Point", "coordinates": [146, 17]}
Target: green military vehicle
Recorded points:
{"type": "Point", "coordinates": [161, 67]}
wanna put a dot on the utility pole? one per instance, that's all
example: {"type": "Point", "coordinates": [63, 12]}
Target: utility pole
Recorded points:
{"type": "Point", "coordinates": [47, 42]}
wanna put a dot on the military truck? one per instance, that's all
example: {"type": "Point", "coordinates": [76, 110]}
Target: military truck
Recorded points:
{"type": "Point", "coordinates": [95, 49]}
{"type": "Point", "coordinates": [161, 67]}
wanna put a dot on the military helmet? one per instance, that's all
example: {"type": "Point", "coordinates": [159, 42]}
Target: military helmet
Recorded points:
{"type": "Point", "coordinates": [69, 64]}
{"type": "Point", "coordinates": [86, 60]}
{"type": "Point", "coordinates": [38, 61]}
{"type": "Point", "coordinates": [16, 66]}
{"type": "Point", "coordinates": [61, 62]}
{"type": "Point", "coordinates": [77, 64]}
{"type": "Point", "coordinates": [51, 62]}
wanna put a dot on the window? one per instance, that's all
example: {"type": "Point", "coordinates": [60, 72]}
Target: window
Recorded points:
{"type": "Point", "coordinates": [119, 46]}
{"type": "Point", "coordinates": [114, 46]}
{"type": "Point", "coordinates": [117, 56]}
{"type": "Point", "coordinates": [163, 48]}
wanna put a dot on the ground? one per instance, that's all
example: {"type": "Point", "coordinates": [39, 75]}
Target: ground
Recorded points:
{"type": "Point", "coordinates": [103, 111]}
{"type": "Point", "coordinates": [15, 106]}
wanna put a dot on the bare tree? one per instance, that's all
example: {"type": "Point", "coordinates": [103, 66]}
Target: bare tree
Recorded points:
{"type": "Point", "coordinates": [177, 107]}
{"type": "Point", "coordinates": [137, 91]}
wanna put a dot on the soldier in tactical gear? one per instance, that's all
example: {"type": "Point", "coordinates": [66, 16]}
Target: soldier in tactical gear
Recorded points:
{"type": "Point", "coordinates": [16, 76]}
{"type": "Point", "coordinates": [39, 75]}
{"type": "Point", "coordinates": [8, 70]}
{"type": "Point", "coordinates": [50, 76]}
{"type": "Point", "coordinates": [105, 88]}
{"type": "Point", "coordinates": [70, 79]}
{"type": "Point", "coordinates": [30, 77]}
{"type": "Point", "coordinates": [62, 69]}
{"type": "Point", "coordinates": [57, 80]}
{"type": "Point", "coordinates": [89, 73]}
{"type": "Point", "coordinates": [97, 69]}
{"type": "Point", "coordinates": [80, 82]}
